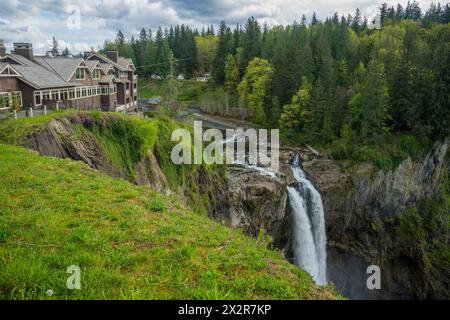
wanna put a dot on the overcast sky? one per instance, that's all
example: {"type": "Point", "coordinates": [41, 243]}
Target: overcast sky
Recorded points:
{"type": "Point", "coordinates": [38, 21]}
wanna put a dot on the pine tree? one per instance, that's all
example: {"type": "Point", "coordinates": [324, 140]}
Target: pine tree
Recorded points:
{"type": "Point", "coordinates": [252, 40]}
{"type": "Point", "coordinates": [54, 47]}
{"type": "Point", "coordinates": [356, 23]}
{"type": "Point", "coordinates": [314, 20]}
{"type": "Point", "coordinates": [222, 52]}
{"type": "Point", "coordinates": [66, 52]}
{"type": "Point", "coordinates": [120, 38]}
{"type": "Point", "coordinates": [370, 102]}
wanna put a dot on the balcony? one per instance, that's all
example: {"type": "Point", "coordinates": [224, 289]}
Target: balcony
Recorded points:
{"type": "Point", "coordinates": [10, 99]}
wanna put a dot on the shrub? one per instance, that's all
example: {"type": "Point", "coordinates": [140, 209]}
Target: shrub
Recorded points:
{"type": "Point", "coordinates": [157, 205]}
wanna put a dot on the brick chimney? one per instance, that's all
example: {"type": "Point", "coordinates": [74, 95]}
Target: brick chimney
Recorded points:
{"type": "Point", "coordinates": [112, 55]}
{"type": "Point", "coordinates": [2, 49]}
{"type": "Point", "coordinates": [24, 49]}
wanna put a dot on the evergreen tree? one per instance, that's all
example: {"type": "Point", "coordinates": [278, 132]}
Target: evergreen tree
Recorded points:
{"type": "Point", "coordinates": [222, 52]}
{"type": "Point", "coordinates": [54, 47]}
{"type": "Point", "coordinates": [252, 40]}
{"type": "Point", "coordinates": [370, 102]}
{"type": "Point", "coordinates": [66, 52]}
{"type": "Point", "coordinates": [120, 38]}
{"type": "Point", "coordinates": [314, 20]}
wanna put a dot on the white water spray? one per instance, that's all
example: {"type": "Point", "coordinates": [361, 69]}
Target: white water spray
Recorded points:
{"type": "Point", "coordinates": [309, 225]}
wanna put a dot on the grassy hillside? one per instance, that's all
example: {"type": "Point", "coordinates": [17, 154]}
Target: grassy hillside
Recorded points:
{"type": "Point", "coordinates": [129, 241]}
{"type": "Point", "coordinates": [124, 141]}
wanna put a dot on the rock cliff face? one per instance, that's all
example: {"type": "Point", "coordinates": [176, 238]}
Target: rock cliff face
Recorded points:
{"type": "Point", "coordinates": [256, 202]}
{"type": "Point", "coordinates": [362, 208]}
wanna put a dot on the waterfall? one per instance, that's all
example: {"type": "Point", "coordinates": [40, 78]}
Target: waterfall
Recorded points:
{"type": "Point", "coordinates": [309, 243]}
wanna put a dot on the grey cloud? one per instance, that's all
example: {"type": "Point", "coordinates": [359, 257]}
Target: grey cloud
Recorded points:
{"type": "Point", "coordinates": [102, 18]}
{"type": "Point", "coordinates": [212, 12]}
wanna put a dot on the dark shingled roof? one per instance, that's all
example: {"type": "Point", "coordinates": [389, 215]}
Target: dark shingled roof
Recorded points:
{"type": "Point", "coordinates": [36, 75]}
{"type": "Point", "coordinates": [64, 67]}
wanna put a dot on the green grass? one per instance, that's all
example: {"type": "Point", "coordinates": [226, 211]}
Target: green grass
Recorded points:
{"type": "Point", "coordinates": [188, 90]}
{"type": "Point", "coordinates": [386, 152]}
{"type": "Point", "coordinates": [124, 140]}
{"type": "Point", "coordinates": [13, 131]}
{"type": "Point", "coordinates": [148, 89]}
{"type": "Point", "coordinates": [130, 242]}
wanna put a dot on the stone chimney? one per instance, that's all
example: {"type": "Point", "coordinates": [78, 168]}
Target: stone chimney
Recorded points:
{"type": "Point", "coordinates": [24, 49]}
{"type": "Point", "coordinates": [2, 49]}
{"type": "Point", "coordinates": [112, 55]}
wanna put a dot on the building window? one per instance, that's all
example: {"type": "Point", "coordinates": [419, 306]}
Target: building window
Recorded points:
{"type": "Point", "coordinates": [127, 86]}
{"type": "Point", "coordinates": [37, 98]}
{"type": "Point", "coordinates": [10, 99]}
{"type": "Point", "coordinates": [96, 74]}
{"type": "Point", "coordinates": [63, 94]}
{"type": "Point", "coordinates": [55, 95]}
{"type": "Point", "coordinates": [89, 91]}
{"type": "Point", "coordinates": [83, 92]}
{"type": "Point", "coordinates": [79, 74]}
{"type": "Point", "coordinates": [45, 95]}
{"type": "Point", "coordinates": [72, 93]}
{"type": "Point", "coordinates": [78, 91]}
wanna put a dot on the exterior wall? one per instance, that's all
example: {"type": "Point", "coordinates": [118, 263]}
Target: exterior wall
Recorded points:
{"type": "Point", "coordinates": [120, 93]}
{"type": "Point", "coordinates": [132, 77]}
{"type": "Point", "coordinates": [108, 102]}
{"type": "Point", "coordinates": [122, 96]}
{"type": "Point", "coordinates": [87, 103]}
{"type": "Point", "coordinates": [27, 95]}
{"type": "Point", "coordinates": [9, 84]}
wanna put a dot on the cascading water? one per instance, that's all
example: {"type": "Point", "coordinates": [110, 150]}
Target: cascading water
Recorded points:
{"type": "Point", "coordinates": [309, 243]}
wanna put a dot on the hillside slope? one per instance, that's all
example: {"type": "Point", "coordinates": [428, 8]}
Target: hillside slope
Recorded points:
{"type": "Point", "coordinates": [129, 241]}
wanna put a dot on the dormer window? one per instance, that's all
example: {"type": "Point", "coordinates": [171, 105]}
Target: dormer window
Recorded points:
{"type": "Point", "coordinates": [96, 74]}
{"type": "Point", "coordinates": [79, 74]}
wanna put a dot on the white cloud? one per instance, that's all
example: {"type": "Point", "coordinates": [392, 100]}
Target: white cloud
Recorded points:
{"type": "Point", "coordinates": [38, 21]}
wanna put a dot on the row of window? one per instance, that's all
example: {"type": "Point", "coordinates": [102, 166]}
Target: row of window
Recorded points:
{"type": "Point", "coordinates": [10, 99]}
{"type": "Point", "coordinates": [80, 73]}
{"type": "Point", "coordinates": [73, 93]}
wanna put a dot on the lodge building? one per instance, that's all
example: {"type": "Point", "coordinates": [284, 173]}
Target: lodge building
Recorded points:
{"type": "Point", "coordinates": [92, 82]}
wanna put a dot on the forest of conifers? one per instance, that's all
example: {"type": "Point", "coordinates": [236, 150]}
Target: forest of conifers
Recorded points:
{"type": "Point", "coordinates": [335, 82]}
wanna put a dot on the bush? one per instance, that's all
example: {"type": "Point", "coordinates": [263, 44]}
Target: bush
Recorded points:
{"type": "Point", "coordinates": [149, 114]}
{"type": "Point", "coordinates": [366, 153]}
{"type": "Point", "coordinates": [157, 205]}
